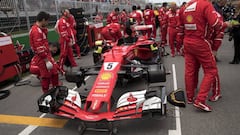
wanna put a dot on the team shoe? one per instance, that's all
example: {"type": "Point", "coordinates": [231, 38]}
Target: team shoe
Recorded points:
{"type": "Point", "coordinates": [190, 100]}
{"type": "Point", "coordinates": [215, 98]}
{"type": "Point", "coordinates": [202, 106]}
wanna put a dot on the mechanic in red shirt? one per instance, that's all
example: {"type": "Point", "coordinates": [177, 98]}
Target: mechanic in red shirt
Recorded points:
{"type": "Point", "coordinates": [72, 22]}
{"type": "Point", "coordinates": [193, 22]}
{"type": "Point", "coordinates": [66, 40]}
{"type": "Point", "coordinates": [172, 19]}
{"type": "Point", "coordinates": [112, 32]}
{"type": "Point", "coordinates": [114, 16]}
{"type": "Point", "coordinates": [163, 23]}
{"type": "Point", "coordinates": [149, 19]}
{"type": "Point", "coordinates": [42, 63]}
{"type": "Point", "coordinates": [136, 15]}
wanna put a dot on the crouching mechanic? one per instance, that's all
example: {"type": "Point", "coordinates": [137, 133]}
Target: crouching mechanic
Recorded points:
{"type": "Point", "coordinates": [42, 63]}
{"type": "Point", "coordinates": [112, 32]}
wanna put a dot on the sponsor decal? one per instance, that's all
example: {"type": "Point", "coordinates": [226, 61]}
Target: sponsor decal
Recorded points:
{"type": "Point", "coordinates": [189, 19]}
{"type": "Point", "coordinates": [131, 98]}
{"type": "Point", "coordinates": [100, 90]}
{"type": "Point", "coordinates": [99, 95]}
{"type": "Point", "coordinates": [106, 76]}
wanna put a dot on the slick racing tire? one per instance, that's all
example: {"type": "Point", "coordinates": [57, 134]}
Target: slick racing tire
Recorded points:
{"type": "Point", "coordinates": [4, 94]}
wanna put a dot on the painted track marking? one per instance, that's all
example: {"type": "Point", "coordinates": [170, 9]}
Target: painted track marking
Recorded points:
{"type": "Point", "coordinates": [177, 110]}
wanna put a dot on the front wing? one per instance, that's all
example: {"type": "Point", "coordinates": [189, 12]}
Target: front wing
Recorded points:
{"type": "Point", "coordinates": [68, 103]}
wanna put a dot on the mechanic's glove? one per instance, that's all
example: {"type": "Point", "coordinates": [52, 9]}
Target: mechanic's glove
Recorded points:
{"type": "Point", "coordinates": [49, 65]}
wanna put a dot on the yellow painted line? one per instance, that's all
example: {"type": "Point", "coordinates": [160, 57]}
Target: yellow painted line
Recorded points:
{"type": "Point", "coordinates": [27, 120]}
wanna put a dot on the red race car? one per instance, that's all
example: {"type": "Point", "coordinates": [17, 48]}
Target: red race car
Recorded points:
{"type": "Point", "coordinates": [120, 61]}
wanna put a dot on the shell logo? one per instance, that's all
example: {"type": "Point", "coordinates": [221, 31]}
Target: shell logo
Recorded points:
{"type": "Point", "coordinates": [106, 76]}
{"type": "Point", "coordinates": [189, 18]}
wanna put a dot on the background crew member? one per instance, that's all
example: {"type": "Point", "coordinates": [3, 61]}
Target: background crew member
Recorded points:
{"type": "Point", "coordinates": [66, 40]}
{"type": "Point", "coordinates": [149, 19]}
{"type": "Point", "coordinates": [172, 18]}
{"type": "Point", "coordinates": [136, 15]}
{"type": "Point", "coordinates": [47, 67]}
{"type": "Point", "coordinates": [72, 23]}
{"type": "Point", "coordinates": [163, 23]}
{"type": "Point", "coordinates": [114, 16]}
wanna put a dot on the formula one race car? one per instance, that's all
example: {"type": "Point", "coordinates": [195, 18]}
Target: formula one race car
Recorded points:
{"type": "Point", "coordinates": [121, 61]}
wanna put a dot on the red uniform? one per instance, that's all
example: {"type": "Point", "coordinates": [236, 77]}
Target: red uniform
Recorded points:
{"type": "Point", "coordinates": [98, 18]}
{"type": "Point", "coordinates": [72, 22]}
{"type": "Point", "coordinates": [66, 42]}
{"type": "Point", "coordinates": [193, 22]}
{"type": "Point", "coordinates": [123, 17]}
{"type": "Point", "coordinates": [113, 17]}
{"type": "Point", "coordinates": [149, 19]}
{"type": "Point", "coordinates": [112, 32]}
{"type": "Point", "coordinates": [163, 25]}
{"type": "Point", "coordinates": [137, 16]}
{"type": "Point", "coordinates": [39, 44]}
{"type": "Point", "coordinates": [172, 19]}
{"type": "Point", "coordinates": [215, 38]}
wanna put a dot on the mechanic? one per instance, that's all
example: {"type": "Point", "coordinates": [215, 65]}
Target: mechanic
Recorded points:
{"type": "Point", "coordinates": [129, 38]}
{"type": "Point", "coordinates": [136, 15]}
{"type": "Point", "coordinates": [163, 23]}
{"type": "Point", "coordinates": [193, 20]}
{"type": "Point", "coordinates": [149, 19]}
{"type": "Point", "coordinates": [66, 40]}
{"type": "Point", "coordinates": [215, 39]}
{"type": "Point", "coordinates": [72, 22]}
{"type": "Point", "coordinates": [218, 5]}
{"type": "Point", "coordinates": [139, 10]}
{"type": "Point", "coordinates": [114, 16]}
{"type": "Point", "coordinates": [172, 18]}
{"type": "Point", "coordinates": [47, 67]}
{"type": "Point", "coordinates": [112, 32]}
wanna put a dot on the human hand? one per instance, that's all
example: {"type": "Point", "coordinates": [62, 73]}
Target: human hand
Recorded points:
{"type": "Point", "coordinates": [214, 53]}
{"type": "Point", "coordinates": [229, 24]}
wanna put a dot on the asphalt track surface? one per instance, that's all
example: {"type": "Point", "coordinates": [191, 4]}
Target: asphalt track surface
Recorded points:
{"type": "Point", "coordinates": [19, 112]}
